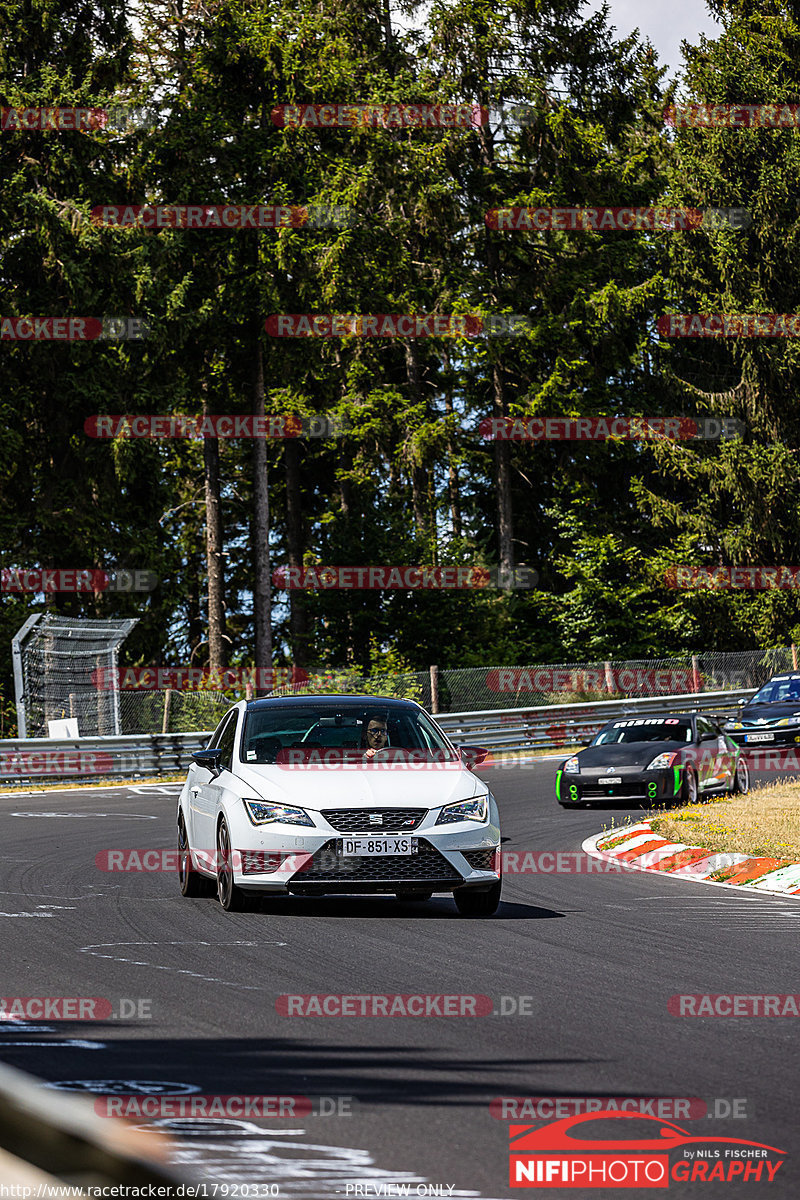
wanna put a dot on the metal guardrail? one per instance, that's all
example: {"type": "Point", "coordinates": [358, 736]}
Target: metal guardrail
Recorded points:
{"type": "Point", "coordinates": [88, 758]}
{"type": "Point", "coordinates": [503, 729]}
{"type": "Point", "coordinates": [50, 1132]}
{"type": "Point", "coordinates": [552, 727]}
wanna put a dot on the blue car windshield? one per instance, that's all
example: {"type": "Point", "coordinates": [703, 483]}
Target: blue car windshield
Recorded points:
{"type": "Point", "coordinates": [785, 690]}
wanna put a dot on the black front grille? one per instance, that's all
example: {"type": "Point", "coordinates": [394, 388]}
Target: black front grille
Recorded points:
{"type": "Point", "coordinates": [329, 871]}
{"type": "Point", "coordinates": [628, 791]}
{"type": "Point", "coordinates": [358, 820]}
{"type": "Point", "coordinates": [482, 860]}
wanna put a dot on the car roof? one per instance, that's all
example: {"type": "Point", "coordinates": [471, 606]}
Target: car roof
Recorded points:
{"type": "Point", "coordinates": [655, 717]}
{"type": "Point", "coordinates": [328, 700]}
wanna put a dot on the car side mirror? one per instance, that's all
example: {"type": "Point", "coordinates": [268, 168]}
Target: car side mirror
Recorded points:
{"type": "Point", "coordinates": [740, 703]}
{"type": "Point", "coordinates": [709, 737]}
{"type": "Point", "coordinates": [473, 756]}
{"type": "Point", "coordinates": [208, 759]}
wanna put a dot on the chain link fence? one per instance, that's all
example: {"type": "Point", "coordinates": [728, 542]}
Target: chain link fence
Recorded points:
{"type": "Point", "coordinates": [471, 689]}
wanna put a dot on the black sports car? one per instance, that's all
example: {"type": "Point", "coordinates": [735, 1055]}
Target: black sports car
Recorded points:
{"type": "Point", "coordinates": [672, 757]}
{"type": "Point", "coordinates": [771, 717]}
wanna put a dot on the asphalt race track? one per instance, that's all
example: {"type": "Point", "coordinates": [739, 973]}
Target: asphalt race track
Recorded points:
{"type": "Point", "coordinates": [599, 955]}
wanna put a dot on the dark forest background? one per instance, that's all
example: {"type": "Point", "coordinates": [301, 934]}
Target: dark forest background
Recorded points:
{"type": "Point", "coordinates": [413, 482]}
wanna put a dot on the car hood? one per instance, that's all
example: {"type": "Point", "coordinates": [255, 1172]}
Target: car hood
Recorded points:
{"type": "Point", "coordinates": [392, 785]}
{"type": "Point", "coordinates": [767, 714]}
{"type": "Point", "coordinates": [625, 754]}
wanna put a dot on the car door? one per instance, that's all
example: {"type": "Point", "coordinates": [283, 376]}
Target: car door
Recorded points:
{"type": "Point", "coordinates": [726, 756]}
{"type": "Point", "coordinates": [712, 767]}
{"type": "Point", "coordinates": [205, 790]}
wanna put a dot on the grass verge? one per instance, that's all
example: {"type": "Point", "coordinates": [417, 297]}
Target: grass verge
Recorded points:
{"type": "Point", "coordinates": [764, 823]}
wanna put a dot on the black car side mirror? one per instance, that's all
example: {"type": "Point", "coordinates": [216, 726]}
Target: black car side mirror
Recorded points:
{"type": "Point", "coordinates": [473, 756]}
{"type": "Point", "coordinates": [208, 759]}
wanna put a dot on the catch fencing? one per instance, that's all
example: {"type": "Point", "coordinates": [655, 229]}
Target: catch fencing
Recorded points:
{"type": "Point", "coordinates": [440, 690]}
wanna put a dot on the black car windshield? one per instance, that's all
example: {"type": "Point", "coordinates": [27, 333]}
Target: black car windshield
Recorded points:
{"type": "Point", "coordinates": [669, 729]}
{"type": "Point", "coordinates": [784, 689]}
{"type": "Point", "coordinates": [324, 726]}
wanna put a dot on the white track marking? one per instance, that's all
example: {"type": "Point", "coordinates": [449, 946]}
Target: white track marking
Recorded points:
{"type": "Point", "coordinates": [178, 970]}
{"type": "Point", "coordinates": [121, 816]}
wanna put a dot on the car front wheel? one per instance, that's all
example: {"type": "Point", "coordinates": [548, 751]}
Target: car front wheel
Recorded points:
{"type": "Point", "coordinates": [232, 898]}
{"type": "Point", "coordinates": [472, 903]}
{"type": "Point", "coordinates": [741, 779]}
{"type": "Point", "coordinates": [689, 789]}
{"type": "Point", "coordinates": [191, 882]}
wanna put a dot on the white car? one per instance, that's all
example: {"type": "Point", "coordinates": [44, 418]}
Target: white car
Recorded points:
{"type": "Point", "coordinates": [314, 795]}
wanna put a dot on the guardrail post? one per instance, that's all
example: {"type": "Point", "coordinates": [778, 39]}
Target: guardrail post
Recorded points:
{"type": "Point", "coordinates": [434, 690]}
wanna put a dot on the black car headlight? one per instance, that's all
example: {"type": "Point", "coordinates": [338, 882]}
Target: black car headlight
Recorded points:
{"type": "Point", "coordinates": [476, 809]}
{"type": "Point", "coordinates": [662, 762]}
{"type": "Point", "coordinates": [572, 766]}
{"type": "Point", "coordinates": [262, 813]}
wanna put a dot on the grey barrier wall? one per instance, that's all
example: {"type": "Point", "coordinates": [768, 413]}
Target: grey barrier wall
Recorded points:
{"type": "Point", "coordinates": [49, 1131]}
{"type": "Point", "coordinates": [549, 727]}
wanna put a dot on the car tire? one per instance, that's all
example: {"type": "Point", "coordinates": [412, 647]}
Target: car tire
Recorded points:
{"type": "Point", "coordinates": [190, 882]}
{"type": "Point", "coordinates": [689, 788]}
{"type": "Point", "coordinates": [741, 778]}
{"type": "Point", "coordinates": [408, 897]}
{"type": "Point", "coordinates": [232, 898]}
{"type": "Point", "coordinates": [472, 903]}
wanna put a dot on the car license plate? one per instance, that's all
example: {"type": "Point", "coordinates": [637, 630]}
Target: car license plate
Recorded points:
{"type": "Point", "coordinates": [377, 847]}
{"type": "Point", "coordinates": [759, 737]}
{"type": "Point", "coordinates": [610, 779]}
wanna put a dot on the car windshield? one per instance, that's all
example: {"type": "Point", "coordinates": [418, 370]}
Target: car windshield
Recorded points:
{"type": "Point", "coordinates": [782, 690]}
{"type": "Point", "coordinates": [669, 729]}
{"type": "Point", "coordinates": [349, 726]}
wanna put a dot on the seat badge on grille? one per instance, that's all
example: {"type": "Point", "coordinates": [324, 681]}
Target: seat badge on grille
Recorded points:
{"type": "Point", "coordinates": [375, 819]}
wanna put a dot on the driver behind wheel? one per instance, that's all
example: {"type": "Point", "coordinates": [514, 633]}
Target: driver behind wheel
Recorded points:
{"type": "Point", "coordinates": [375, 737]}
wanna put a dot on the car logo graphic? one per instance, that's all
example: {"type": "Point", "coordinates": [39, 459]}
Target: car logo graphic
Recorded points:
{"type": "Point", "coordinates": [375, 819]}
{"type": "Point", "coordinates": [563, 1154]}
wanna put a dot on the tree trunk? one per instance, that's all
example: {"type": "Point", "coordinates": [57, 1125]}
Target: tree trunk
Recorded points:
{"type": "Point", "coordinates": [217, 643]}
{"type": "Point", "coordinates": [262, 591]}
{"type": "Point", "coordinates": [502, 466]}
{"type": "Point", "coordinates": [298, 613]}
{"type": "Point", "coordinates": [453, 482]}
{"type": "Point", "coordinates": [419, 476]}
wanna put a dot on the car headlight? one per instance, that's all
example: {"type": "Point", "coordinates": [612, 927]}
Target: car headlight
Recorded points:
{"type": "Point", "coordinates": [734, 725]}
{"type": "Point", "coordinates": [662, 761]}
{"type": "Point", "coordinates": [465, 810]}
{"type": "Point", "coordinates": [572, 766]}
{"type": "Point", "coordinates": [790, 721]}
{"type": "Point", "coordinates": [261, 813]}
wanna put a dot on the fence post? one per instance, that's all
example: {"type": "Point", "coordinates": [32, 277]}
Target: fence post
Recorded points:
{"type": "Point", "coordinates": [167, 701]}
{"type": "Point", "coordinates": [794, 655]}
{"type": "Point", "coordinates": [697, 683]}
{"type": "Point", "coordinates": [434, 690]}
{"type": "Point", "coordinates": [609, 677]}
